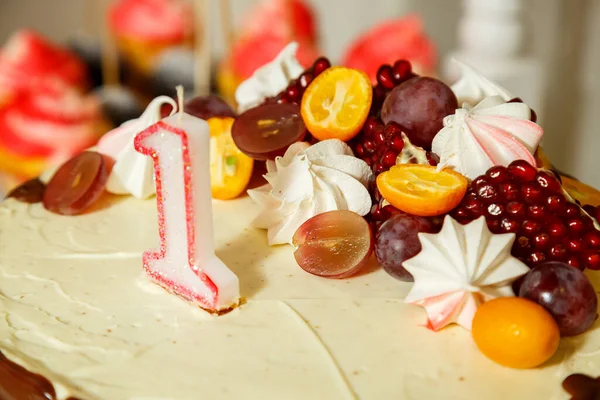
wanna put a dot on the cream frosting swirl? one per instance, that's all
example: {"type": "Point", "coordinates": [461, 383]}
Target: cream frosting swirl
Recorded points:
{"type": "Point", "coordinates": [132, 173]}
{"type": "Point", "coordinates": [309, 180]}
{"type": "Point", "coordinates": [492, 133]}
{"type": "Point", "coordinates": [459, 268]}
{"type": "Point", "coordinates": [270, 79]}
{"type": "Point", "coordinates": [473, 87]}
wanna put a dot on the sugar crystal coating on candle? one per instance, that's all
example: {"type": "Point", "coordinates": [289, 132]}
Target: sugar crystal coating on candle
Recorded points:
{"type": "Point", "coordinates": [185, 263]}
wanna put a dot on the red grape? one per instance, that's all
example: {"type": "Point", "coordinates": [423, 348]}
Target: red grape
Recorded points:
{"type": "Point", "coordinates": [77, 184]}
{"type": "Point", "coordinates": [266, 131]}
{"type": "Point", "coordinates": [31, 191]}
{"type": "Point", "coordinates": [565, 292]}
{"type": "Point", "coordinates": [419, 106]}
{"type": "Point", "coordinates": [335, 244]}
{"type": "Point", "coordinates": [397, 241]}
{"type": "Point", "coordinates": [205, 107]}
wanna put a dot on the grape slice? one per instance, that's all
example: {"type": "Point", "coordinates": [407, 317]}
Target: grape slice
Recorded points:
{"type": "Point", "coordinates": [266, 131]}
{"type": "Point", "coordinates": [30, 192]}
{"type": "Point", "coordinates": [335, 244]}
{"type": "Point", "coordinates": [205, 107]}
{"type": "Point", "coordinates": [77, 184]}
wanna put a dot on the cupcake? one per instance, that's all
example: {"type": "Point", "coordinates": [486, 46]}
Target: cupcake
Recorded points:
{"type": "Point", "coordinates": [145, 28]}
{"type": "Point", "coordinates": [266, 30]}
{"type": "Point", "coordinates": [46, 126]}
{"type": "Point", "coordinates": [27, 60]}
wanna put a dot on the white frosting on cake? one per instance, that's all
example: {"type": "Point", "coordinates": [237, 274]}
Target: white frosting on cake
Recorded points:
{"type": "Point", "coordinates": [310, 180]}
{"type": "Point", "coordinates": [77, 308]}
{"type": "Point", "coordinates": [472, 87]}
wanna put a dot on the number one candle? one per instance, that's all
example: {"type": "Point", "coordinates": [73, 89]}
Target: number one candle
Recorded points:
{"type": "Point", "coordinates": [185, 263]}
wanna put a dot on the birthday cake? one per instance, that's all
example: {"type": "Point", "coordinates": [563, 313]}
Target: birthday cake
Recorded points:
{"type": "Point", "coordinates": [374, 187]}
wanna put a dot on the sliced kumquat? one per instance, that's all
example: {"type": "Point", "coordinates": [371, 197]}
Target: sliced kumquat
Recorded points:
{"type": "Point", "coordinates": [422, 189]}
{"type": "Point", "coordinates": [336, 103]}
{"type": "Point", "coordinates": [230, 169]}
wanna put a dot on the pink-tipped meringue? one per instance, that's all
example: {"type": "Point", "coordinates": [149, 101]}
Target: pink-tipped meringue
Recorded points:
{"type": "Point", "coordinates": [491, 133]}
{"type": "Point", "coordinates": [459, 268]}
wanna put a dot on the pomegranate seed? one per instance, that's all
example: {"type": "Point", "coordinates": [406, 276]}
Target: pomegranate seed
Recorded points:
{"type": "Point", "coordinates": [379, 136]}
{"type": "Point", "coordinates": [557, 230]}
{"type": "Point", "coordinates": [292, 94]}
{"type": "Point", "coordinates": [572, 210]}
{"type": "Point", "coordinates": [575, 225]}
{"type": "Point", "coordinates": [320, 65]}
{"type": "Point", "coordinates": [283, 100]}
{"type": "Point", "coordinates": [558, 252]}
{"type": "Point", "coordinates": [531, 193]}
{"type": "Point", "coordinates": [523, 243]}
{"type": "Point", "coordinates": [359, 150]}
{"type": "Point", "coordinates": [493, 225]}
{"type": "Point", "coordinates": [397, 143]}
{"type": "Point", "coordinates": [305, 79]}
{"type": "Point", "coordinates": [487, 192]}
{"type": "Point", "coordinates": [530, 227]}
{"type": "Point", "coordinates": [498, 174]}
{"type": "Point", "coordinates": [402, 70]}
{"type": "Point", "coordinates": [495, 210]}
{"type": "Point", "coordinates": [591, 260]}
{"type": "Point", "coordinates": [556, 204]}
{"type": "Point", "coordinates": [460, 213]}
{"type": "Point", "coordinates": [548, 181]}
{"type": "Point", "coordinates": [592, 240]}
{"type": "Point", "coordinates": [574, 262]}
{"type": "Point", "coordinates": [385, 76]}
{"type": "Point", "coordinates": [574, 245]}
{"type": "Point", "coordinates": [379, 168]}
{"type": "Point", "coordinates": [522, 170]}
{"type": "Point", "coordinates": [474, 208]}
{"type": "Point", "coordinates": [516, 209]}
{"type": "Point", "coordinates": [393, 130]}
{"type": "Point", "coordinates": [541, 241]}
{"type": "Point", "coordinates": [536, 211]}
{"type": "Point", "coordinates": [509, 225]}
{"type": "Point", "coordinates": [536, 257]}
{"type": "Point", "coordinates": [369, 146]}
{"type": "Point", "coordinates": [389, 158]}
{"type": "Point", "coordinates": [509, 191]}
{"type": "Point", "coordinates": [369, 127]}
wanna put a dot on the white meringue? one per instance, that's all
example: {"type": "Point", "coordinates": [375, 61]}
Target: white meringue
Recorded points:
{"type": "Point", "coordinates": [492, 133]}
{"type": "Point", "coordinates": [472, 87]}
{"type": "Point", "coordinates": [460, 268]}
{"type": "Point", "coordinates": [270, 79]}
{"type": "Point", "coordinates": [310, 180]}
{"type": "Point", "coordinates": [132, 173]}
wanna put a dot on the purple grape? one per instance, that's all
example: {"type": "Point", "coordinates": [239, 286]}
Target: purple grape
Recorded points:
{"type": "Point", "coordinates": [419, 106]}
{"type": "Point", "coordinates": [565, 292]}
{"type": "Point", "coordinates": [397, 241]}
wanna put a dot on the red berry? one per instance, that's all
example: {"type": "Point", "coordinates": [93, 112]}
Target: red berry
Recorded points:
{"type": "Point", "coordinates": [547, 180]}
{"type": "Point", "coordinates": [556, 204]}
{"type": "Point", "coordinates": [591, 260]}
{"type": "Point", "coordinates": [385, 77]}
{"type": "Point", "coordinates": [509, 225]}
{"type": "Point", "coordinates": [498, 174]}
{"type": "Point", "coordinates": [320, 65]}
{"type": "Point", "coordinates": [572, 210]}
{"type": "Point", "coordinates": [541, 241]}
{"type": "Point", "coordinates": [592, 240]}
{"type": "Point", "coordinates": [402, 71]}
{"type": "Point", "coordinates": [531, 193]}
{"type": "Point", "coordinates": [509, 191]}
{"type": "Point", "coordinates": [516, 209]}
{"type": "Point", "coordinates": [530, 227]}
{"type": "Point", "coordinates": [397, 143]}
{"type": "Point", "coordinates": [558, 252]}
{"type": "Point", "coordinates": [522, 170]}
{"type": "Point", "coordinates": [536, 257]}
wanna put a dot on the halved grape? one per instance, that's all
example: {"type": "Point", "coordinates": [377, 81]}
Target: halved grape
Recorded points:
{"type": "Point", "coordinates": [266, 131]}
{"type": "Point", "coordinates": [205, 107]}
{"type": "Point", "coordinates": [31, 191]}
{"type": "Point", "coordinates": [335, 244]}
{"type": "Point", "coordinates": [77, 184]}
{"type": "Point", "coordinates": [565, 292]}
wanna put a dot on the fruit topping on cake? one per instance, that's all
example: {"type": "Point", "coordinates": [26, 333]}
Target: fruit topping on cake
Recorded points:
{"type": "Point", "coordinates": [230, 169]}
{"type": "Point", "coordinates": [31, 191]}
{"type": "Point", "coordinates": [132, 172]}
{"type": "Point", "coordinates": [336, 103]}
{"type": "Point", "coordinates": [491, 133]}
{"type": "Point", "coordinates": [582, 387]}
{"type": "Point", "coordinates": [419, 106]}
{"type": "Point", "coordinates": [334, 244]}
{"type": "Point", "coordinates": [205, 107]}
{"type": "Point", "coordinates": [458, 269]}
{"type": "Point", "coordinates": [265, 132]}
{"type": "Point", "coordinates": [397, 240]}
{"type": "Point", "coordinates": [530, 203]}
{"type": "Point", "coordinates": [77, 184]}
{"type": "Point", "coordinates": [515, 332]}
{"type": "Point", "coordinates": [309, 180]}
{"type": "Point", "coordinates": [565, 292]}
{"type": "Point", "coordinates": [421, 189]}
{"type": "Point", "coordinates": [270, 79]}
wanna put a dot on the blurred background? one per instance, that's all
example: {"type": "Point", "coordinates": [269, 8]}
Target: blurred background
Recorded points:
{"type": "Point", "coordinates": [545, 51]}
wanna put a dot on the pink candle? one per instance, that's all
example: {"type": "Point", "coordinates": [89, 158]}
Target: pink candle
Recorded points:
{"type": "Point", "coordinates": [185, 263]}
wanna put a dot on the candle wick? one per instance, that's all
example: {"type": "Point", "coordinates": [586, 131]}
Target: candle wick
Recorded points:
{"type": "Point", "coordinates": [180, 100]}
